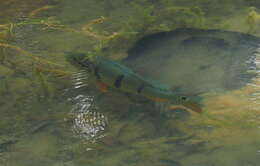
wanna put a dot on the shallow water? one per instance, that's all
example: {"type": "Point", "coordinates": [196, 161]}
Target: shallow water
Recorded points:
{"type": "Point", "coordinates": [187, 59]}
{"type": "Point", "coordinates": [52, 114]}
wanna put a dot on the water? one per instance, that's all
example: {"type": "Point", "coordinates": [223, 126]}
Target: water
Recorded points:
{"type": "Point", "coordinates": [170, 56]}
{"type": "Point", "coordinates": [52, 114]}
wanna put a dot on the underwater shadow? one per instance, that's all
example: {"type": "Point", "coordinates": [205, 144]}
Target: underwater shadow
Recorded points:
{"type": "Point", "coordinates": [196, 60]}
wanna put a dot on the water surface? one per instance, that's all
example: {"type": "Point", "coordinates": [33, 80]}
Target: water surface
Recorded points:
{"type": "Point", "coordinates": [52, 114]}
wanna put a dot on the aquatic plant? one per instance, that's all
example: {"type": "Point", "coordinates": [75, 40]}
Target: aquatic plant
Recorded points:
{"type": "Point", "coordinates": [252, 19]}
{"type": "Point", "coordinates": [4, 85]}
{"type": "Point", "coordinates": [39, 10]}
{"type": "Point", "coordinates": [183, 16]}
{"type": "Point", "coordinates": [6, 31]}
{"type": "Point", "coordinates": [145, 17]}
{"type": "Point", "coordinates": [41, 66]}
{"type": "Point", "coordinates": [2, 55]}
{"type": "Point", "coordinates": [39, 69]}
{"type": "Point", "coordinates": [52, 23]}
{"type": "Point", "coordinates": [88, 30]}
{"type": "Point", "coordinates": [23, 52]}
{"type": "Point", "coordinates": [40, 78]}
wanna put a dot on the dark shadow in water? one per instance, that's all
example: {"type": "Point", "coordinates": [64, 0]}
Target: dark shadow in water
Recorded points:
{"type": "Point", "coordinates": [196, 59]}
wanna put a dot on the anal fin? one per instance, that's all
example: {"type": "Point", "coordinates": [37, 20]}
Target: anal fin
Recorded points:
{"type": "Point", "coordinates": [101, 86]}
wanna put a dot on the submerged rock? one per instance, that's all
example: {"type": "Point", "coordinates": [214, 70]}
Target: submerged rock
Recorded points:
{"type": "Point", "coordinates": [196, 60]}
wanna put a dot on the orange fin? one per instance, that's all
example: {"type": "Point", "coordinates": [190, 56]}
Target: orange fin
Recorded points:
{"type": "Point", "coordinates": [101, 86]}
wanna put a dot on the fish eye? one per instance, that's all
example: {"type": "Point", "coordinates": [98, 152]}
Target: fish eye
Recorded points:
{"type": "Point", "coordinates": [184, 98]}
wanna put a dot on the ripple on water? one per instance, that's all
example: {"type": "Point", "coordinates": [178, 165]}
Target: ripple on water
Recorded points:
{"type": "Point", "coordinates": [255, 84]}
{"type": "Point", "coordinates": [88, 121]}
{"type": "Point", "coordinates": [79, 79]}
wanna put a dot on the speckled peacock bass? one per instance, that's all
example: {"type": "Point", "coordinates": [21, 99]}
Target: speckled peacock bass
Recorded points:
{"type": "Point", "coordinates": [111, 74]}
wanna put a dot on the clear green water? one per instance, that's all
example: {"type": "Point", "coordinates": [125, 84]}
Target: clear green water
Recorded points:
{"type": "Point", "coordinates": [49, 119]}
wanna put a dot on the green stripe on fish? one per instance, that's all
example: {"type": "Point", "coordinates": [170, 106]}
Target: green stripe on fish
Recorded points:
{"type": "Point", "coordinates": [118, 76]}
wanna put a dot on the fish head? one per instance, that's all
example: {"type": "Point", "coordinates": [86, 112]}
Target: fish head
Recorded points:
{"type": "Point", "coordinates": [192, 102]}
{"type": "Point", "coordinates": [79, 60]}
{"type": "Point", "coordinates": [75, 58]}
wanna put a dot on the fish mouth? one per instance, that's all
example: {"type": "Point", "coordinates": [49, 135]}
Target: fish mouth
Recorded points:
{"type": "Point", "coordinates": [79, 60]}
{"type": "Point", "coordinates": [190, 106]}
{"type": "Point", "coordinates": [193, 106]}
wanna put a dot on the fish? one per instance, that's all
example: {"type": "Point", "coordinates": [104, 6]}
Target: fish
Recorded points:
{"type": "Point", "coordinates": [112, 74]}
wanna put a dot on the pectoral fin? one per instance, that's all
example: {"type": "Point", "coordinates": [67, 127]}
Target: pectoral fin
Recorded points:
{"type": "Point", "coordinates": [101, 86]}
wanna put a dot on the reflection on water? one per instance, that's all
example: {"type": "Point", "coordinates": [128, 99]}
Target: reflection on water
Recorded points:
{"type": "Point", "coordinates": [255, 84]}
{"type": "Point", "coordinates": [80, 79]}
{"type": "Point", "coordinates": [88, 122]}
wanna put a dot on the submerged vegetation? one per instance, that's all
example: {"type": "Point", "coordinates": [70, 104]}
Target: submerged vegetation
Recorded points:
{"type": "Point", "coordinates": [33, 44]}
{"type": "Point", "coordinates": [253, 19]}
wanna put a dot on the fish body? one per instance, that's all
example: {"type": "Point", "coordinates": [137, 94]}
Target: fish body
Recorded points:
{"type": "Point", "coordinates": [115, 75]}
{"type": "Point", "coordinates": [121, 77]}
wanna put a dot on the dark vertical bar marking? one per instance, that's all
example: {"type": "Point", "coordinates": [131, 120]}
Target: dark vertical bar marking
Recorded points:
{"type": "Point", "coordinates": [140, 88]}
{"type": "Point", "coordinates": [118, 81]}
{"type": "Point", "coordinates": [96, 70]}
